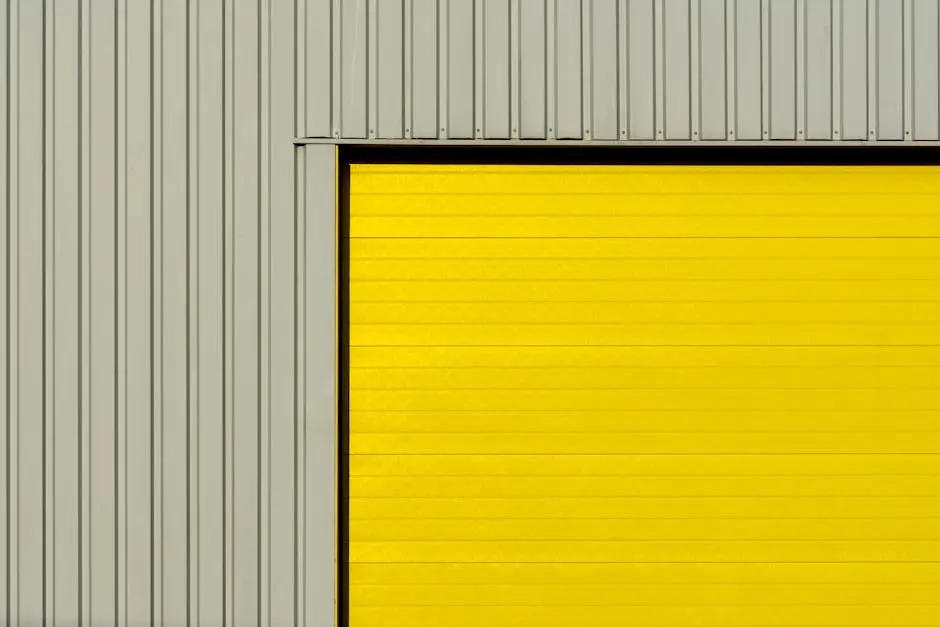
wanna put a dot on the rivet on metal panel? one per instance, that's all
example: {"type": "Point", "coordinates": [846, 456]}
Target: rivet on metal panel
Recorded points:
{"type": "Point", "coordinates": [835, 131]}
{"type": "Point", "coordinates": [731, 132]}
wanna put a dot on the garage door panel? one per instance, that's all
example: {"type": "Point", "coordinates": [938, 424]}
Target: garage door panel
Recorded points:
{"type": "Point", "coordinates": [650, 616]}
{"type": "Point", "coordinates": [649, 399]}
{"type": "Point", "coordinates": [792, 203]}
{"type": "Point", "coordinates": [640, 378]}
{"type": "Point", "coordinates": [433, 357]}
{"type": "Point", "coordinates": [682, 573]}
{"type": "Point", "coordinates": [645, 334]}
{"type": "Point", "coordinates": [672, 227]}
{"type": "Point", "coordinates": [819, 291]}
{"type": "Point", "coordinates": [665, 396]}
{"type": "Point", "coordinates": [604, 530]}
{"type": "Point", "coordinates": [568, 465]}
{"type": "Point", "coordinates": [576, 508]}
{"type": "Point", "coordinates": [639, 180]}
{"type": "Point", "coordinates": [587, 595]}
{"type": "Point", "coordinates": [701, 421]}
{"type": "Point", "coordinates": [531, 247]}
{"type": "Point", "coordinates": [916, 442]}
{"type": "Point", "coordinates": [444, 486]}
{"type": "Point", "coordinates": [646, 551]}
{"type": "Point", "coordinates": [645, 312]}
{"type": "Point", "coordinates": [646, 270]}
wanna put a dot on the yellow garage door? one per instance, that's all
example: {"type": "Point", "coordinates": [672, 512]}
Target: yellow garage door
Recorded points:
{"type": "Point", "coordinates": [673, 396]}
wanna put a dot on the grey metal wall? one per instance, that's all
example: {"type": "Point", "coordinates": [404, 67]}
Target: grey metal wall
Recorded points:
{"type": "Point", "coordinates": [166, 382]}
{"type": "Point", "coordinates": [621, 69]}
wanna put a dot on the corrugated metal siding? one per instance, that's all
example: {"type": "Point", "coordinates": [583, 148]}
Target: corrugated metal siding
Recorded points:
{"type": "Point", "coordinates": [161, 461]}
{"type": "Point", "coordinates": [622, 69]}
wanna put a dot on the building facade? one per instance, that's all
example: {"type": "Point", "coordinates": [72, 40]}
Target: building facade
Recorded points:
{"type": "Point", "coordinates": [175, 383]}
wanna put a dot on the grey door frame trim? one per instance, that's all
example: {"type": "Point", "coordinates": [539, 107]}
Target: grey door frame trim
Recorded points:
{"type": "Point", "coordinates": [318, 386]}
{"type": "Point", "coordinates": [405, 143]}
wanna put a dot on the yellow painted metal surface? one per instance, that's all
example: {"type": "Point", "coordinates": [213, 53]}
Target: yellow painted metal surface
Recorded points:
{"type": "Point", "coordinates": [673, 396]}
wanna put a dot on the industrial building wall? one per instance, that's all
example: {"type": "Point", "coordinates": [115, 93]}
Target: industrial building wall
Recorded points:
{"type": "Point", "coordinates": [161, 458]}
{"type": "Point", "coordinates": [167, 254]}
{"type": "Point", "coordinates": [613, 70]}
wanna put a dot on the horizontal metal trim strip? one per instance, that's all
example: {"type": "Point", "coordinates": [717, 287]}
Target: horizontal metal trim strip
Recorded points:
{"type": "Point", "coordinates": [300, 141]}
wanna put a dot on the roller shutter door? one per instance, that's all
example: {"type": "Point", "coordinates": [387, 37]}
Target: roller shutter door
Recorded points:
{"type": "Point", "coordinates": [673, 396]}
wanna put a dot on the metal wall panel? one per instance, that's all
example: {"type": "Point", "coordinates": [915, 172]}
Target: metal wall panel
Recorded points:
{"type": "Point", "coordinates": [748, 95]}
{"type": "Point", "coordinates": [604, 56]}
{"type": "Point", "coordinates": [532, 69]}
{"type": "Point", "coordinates": [423, 66]}
{"type": "Point", "coordinates": [390, 70]}
{"type": "Point", "coordinates": [459, 124]}
{"type": "Point", "coordinates": [783, 105]}
{"type": "Point", "coordinates": [609, 70]}
{"type": "Point", "coordinates": [496, 64]}
{"type": "Point", "coordinates": [926, 69]}
{"type": "Point", "coordinates": [316, 50]}
{"type": "Point", "coordinates": [855, 61]}
{"type": "Point", "coordinates": [712, 88]}
{"type": "Point", "coordinates": [890, 69]}
{"type": "Point", "coordinates": [677, 96]}
{"type": "Point", "coordinates": [641, 71]}
{"type": "Point", "coordinates": [352, 47]}
{"type": "Point", "coordinates": [817, 70]}
{"type": "Point", "coordinates": [567, 31]}
{"type": "Point", "coordinates": [167, 394]}
{"type": "Point", "coordinates": [4, 325]}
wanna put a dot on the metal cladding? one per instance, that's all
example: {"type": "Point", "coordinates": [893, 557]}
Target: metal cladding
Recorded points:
{"type": "Point", "coordinates": [622, 70]}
